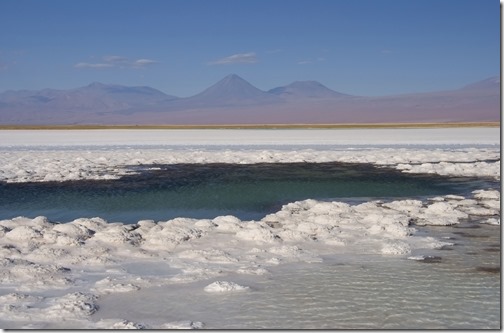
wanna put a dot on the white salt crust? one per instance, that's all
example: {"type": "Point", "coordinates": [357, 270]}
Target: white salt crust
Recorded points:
{"type": "Point", "coordinates": [56, 272]}
{"type": "Point", "coordinates": [39, 256]}
{"type": "Point", "coordinates": [34, 165]}
{"type": "Point", "coordinates": [224, 287]}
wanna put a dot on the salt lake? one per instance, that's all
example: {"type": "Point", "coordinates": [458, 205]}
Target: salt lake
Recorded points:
{"type": "Point", "coordinates": [247, 191]}
{"type": "Point", "coordinates": [392, 229]}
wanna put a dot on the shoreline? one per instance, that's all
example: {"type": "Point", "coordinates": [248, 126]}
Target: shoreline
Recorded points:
{"type": "Point", "coordinates": [257, 126]}
{"type": "Point", "coordinates": [251, 136]}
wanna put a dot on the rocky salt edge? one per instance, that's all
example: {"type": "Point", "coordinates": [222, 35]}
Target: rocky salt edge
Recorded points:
{"type": "Point", "coordinates": [53, 270]}
{"type": "Point", "coordinates": [33, 165]}
{"type": "Point", "coordinates": [42, 257]}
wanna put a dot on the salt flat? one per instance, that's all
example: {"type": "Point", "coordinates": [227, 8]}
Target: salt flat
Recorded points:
{"type": "Point", "coordinates": [419, 136]}
{"type": "Point", "coordinates": [75, 274]}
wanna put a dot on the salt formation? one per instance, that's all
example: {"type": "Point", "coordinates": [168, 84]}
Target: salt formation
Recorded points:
{"type": "Point", "coordinates": [224, 286]}
{"type": "Point", "coordinates": [42, 256]}
{"type": "Point", "coordinates": [34, 165]}
{"type": "Point", "coordinates": [55, 273]}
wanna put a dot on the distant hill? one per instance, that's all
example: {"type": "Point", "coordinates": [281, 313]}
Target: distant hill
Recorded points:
{"type": "Point", "coordinates": [487, 84]}
{"type": "Point", "coordinates": [64, 106]}
{"type": "Point", "coordinates": [94, 96]}
{"type": "Point", "coordinates": [306, 89]}
{"type": "Point", "coordinates": [233, 100]}
{"type": "Point", "coordinates": [231, 91]}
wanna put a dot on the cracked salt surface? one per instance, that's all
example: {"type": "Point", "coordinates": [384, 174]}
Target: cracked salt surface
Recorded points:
{"type": "Point", "coordinates": [333, 264]}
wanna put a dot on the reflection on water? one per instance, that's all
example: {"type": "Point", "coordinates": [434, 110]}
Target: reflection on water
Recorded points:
{"type": "Point", "coordinates": [162, 192]}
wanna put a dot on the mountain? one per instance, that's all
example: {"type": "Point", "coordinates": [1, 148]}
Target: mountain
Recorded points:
{"type": "Point", "coordinates": [132, 96]}
{"type": "Point", "coordinates": [306, 89]}
{"type": "Point", "coordinates": [96, 96]}
{"type": "Point", "coordinates": [232, 90]}
{"type": "Point", "coordinates": [233, 100]}
{"type": "Point", "coordinates": [51, 105]}
{"type": "Point", "coordinates": [490, 83]}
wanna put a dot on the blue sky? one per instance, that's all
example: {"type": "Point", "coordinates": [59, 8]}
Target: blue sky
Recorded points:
{"type": "Point", "coordinates": [361, 47]}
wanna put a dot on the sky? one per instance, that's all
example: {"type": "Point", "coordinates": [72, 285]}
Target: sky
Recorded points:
{"type": "Point", "coordinates": [181, 47]}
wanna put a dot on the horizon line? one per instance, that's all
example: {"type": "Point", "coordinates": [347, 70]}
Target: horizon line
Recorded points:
{"type": "Point", "coordinates": [256, 126]}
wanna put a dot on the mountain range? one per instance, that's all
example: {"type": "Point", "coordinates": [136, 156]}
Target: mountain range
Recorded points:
{"type": "Point", "coordinates": [233, 100]}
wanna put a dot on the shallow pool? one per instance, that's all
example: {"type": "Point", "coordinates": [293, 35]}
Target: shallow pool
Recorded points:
{"type": "Point", "coordinates": [460, 289]}
{"type": "Point", "coordinates": [248, 191]}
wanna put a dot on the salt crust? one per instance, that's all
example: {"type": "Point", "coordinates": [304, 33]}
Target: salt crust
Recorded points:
{"type": "Point", "coordinates": [49, 258]}
{"type": "Point", "coordinates": [72, 306]}
{"type": "Point", "coordinates": [34, 165]}
{"type": "Point", "coordinates": [41, 256]}
{"type": "Point", "coordinates": [126, 324]}
{"type": "Point", "coordinates": [234, 137]}
{"type": "Point", "coordinates": [223, 287]}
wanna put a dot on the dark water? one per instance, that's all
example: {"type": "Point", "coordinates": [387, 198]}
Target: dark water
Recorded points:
{"type": "Point", "coordinates": [209, 190]}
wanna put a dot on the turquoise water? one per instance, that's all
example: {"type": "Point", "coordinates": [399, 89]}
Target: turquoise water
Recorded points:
{"type": "Point", "coordinates": [162, 192]}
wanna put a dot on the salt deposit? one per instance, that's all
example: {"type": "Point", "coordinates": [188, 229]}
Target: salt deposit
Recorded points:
{"type": "Point", "coordinates": [185, 137]}
{"type": "Point", "coordinates": [32, 164]}
{"type": "Point", "coordinates": [224, 286]}
{"type": "Point", "coordinates": [204, 249]}
{"type": "Point", "coordinates": [51, 270]}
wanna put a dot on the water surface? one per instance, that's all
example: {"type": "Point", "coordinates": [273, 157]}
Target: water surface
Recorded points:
{"type": "Point", "coordinates": [248, 191]}
{"type": "Point", "coordinates": [459, 290]}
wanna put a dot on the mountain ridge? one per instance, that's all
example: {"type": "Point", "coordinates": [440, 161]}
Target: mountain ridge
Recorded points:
{"type": "Point", "coordinates": [310, 89]}
{"type": "Point", "coordinates": [234, 100]}
{"type": "Point", "coordinates": [230, 90]}
{"type": "Point", "coordinates": [493, 80]}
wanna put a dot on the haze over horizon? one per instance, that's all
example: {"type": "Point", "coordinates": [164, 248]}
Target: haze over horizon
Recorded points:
{"type": "Point", "coordinates": [234, 100]}
{"type": "Point", "coordinates": [181, 47]}
{"type": "Point", "coordinates": [301, 84]}
{"type": "Point", "coordinates": [272, 89]}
